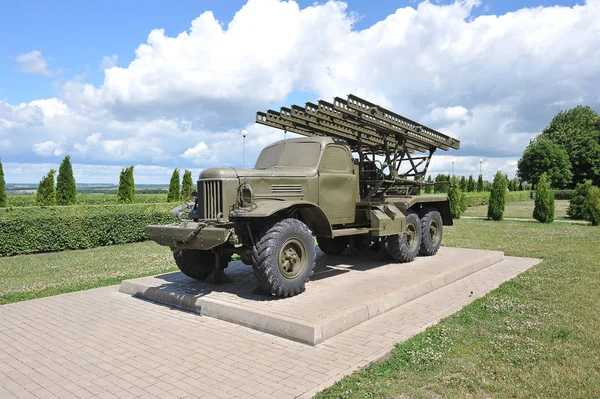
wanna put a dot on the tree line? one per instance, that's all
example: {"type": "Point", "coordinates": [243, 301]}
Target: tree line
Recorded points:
{"type": "Point", "coordinates": [65, 190]}
{"type": "Point", "coordinates": [442, 184]}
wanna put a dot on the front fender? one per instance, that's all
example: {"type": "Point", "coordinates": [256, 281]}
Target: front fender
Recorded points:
{"type": "Point", "coordinates": [311, 213]}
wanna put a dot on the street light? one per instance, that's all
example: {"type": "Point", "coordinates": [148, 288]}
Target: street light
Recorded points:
{"type": "Point", "coordinates": [244, 134]}
{"type": "Point", "coordinates": [452, 168]}
{"type": "Point", "coordinates": [480, 161]}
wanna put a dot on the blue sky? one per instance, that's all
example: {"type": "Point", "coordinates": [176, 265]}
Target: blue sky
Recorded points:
{"type": "Point", "coordinates": [51, 50]}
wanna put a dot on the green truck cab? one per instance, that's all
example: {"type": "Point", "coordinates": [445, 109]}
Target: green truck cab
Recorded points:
{"type": "Point", "coordinates": [343, 185]}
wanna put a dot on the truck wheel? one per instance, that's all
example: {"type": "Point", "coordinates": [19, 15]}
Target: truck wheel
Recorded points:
{"type": "Point", "coordinates": [405, 247]}
{"type": "Point", "coordinates": [431, 233]}
{"type": "Point", "coordinates": [284, 258]}
{"type": "Point", "coordinates": [332, 246]}
{"type": "Point", "coordinates": [197, 264]}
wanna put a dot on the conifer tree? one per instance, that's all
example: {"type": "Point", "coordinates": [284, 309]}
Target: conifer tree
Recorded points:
{"type": "Point", "coordinates": [187, 186]}
{"type": "Point", "coordinates": [480, 183]}
{"type": "Point", "coordinates": [3, 199]}
{"type": "Point", "coordinates": [471, 184]}
{"type": "Point", "coordinates": [462, 184]}
{"type": "Point", "coordinates": [66, 190]}
{"type": "Point", "coordinates": [174, 194]}
{"type": "Point", "coordinates": [497, 197]}
{"type": "Point", "coordinates": [126, 192]}
{"type": "Point", "coordinates": [543, 211]}
{"type": "Point", "coordinates": [46, 194]}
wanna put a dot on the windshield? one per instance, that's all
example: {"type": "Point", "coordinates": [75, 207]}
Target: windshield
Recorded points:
{"type": "Point", "coordinates": [289, 154]}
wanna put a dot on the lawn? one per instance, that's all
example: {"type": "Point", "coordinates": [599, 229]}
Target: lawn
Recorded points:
{"type": "Point", "coordinates": [32, 276]}
{"type": "Point", "coordinates": [521, 209]}
{"type": "Point", "coordinates": [536, 336]}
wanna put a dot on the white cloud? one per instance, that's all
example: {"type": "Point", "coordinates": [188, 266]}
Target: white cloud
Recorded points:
{"type": "Point", "coordinates": [109, 61]}
{"type": "Point", "coordinates": [48, 148]}
{"type": "Point", "coordinates": [494, 81]}
{"type": "Point", "coordinates": [33, 62]}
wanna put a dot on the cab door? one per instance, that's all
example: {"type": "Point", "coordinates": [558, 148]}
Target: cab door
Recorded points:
{"type": "Point", "coordinates": [337, 184]}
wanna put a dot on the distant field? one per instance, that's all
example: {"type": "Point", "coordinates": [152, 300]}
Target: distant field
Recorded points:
{"type": "Point", "coordinates": [521, 209]}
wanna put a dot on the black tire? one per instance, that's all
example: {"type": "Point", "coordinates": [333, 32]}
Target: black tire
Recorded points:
{"type": "Point", "coordinates": [332, 246]}
{"type": "Point", "coordinates": [431, 232]}
{"type": "Point", "coordinates": [197, 264]}
{"type": "Point", "coordinates": [284, 258]}
{"type": "Point", "coordinates": [405, 247]}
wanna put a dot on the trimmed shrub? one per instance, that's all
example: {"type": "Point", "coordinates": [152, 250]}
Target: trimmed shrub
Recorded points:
{"type": "Point", "coordinates": [187, 186]}
{"type": "Point", "coordinates": [543, 210]}
{"type": "Point", "coordinates": [592, 206]}
{"type": "Point", "coordinates": [3, 201]}
{"type": "Point", "coordinates": [48, 229]}
{"type": "Point", "coordinates": [126, 191]}
{"type": "Point", "coordinates": [46, 194]}
{"type": "Point", "coordinates": [577, 207]}
{"type": "Point", "coordinates": [174, 194]}
{"type": "Point", "coordinates": [89, 199]}
{"type": "Point", "coordinates": [458, 203]}
{"type": "Point", "coordinates": [497, 197]}
{"type": "Point", "coordinates": [66, 191]}
{"type": "Point", "coordinates": [562, 194]}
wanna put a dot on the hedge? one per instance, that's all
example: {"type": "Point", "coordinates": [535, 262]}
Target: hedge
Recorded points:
{"type": "Point", "coordinates": [45, 229]}
{"type": "Point", "coordinates": [482, 198]}
{"type": "Point", "coordinates": [563, 194]}
{"type": "Point", "coordinates": [90, 199]}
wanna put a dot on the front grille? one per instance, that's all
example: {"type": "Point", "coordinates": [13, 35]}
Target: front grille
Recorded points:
{"type": "Point", "coordinates": [212, 199]}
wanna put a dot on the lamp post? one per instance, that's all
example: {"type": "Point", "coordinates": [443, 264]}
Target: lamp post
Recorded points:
{"type": "Point", "coordinates": [480, 161]}
{"type": "Point", "coordinates": [452, 168]}
{"type": "Point", "coordinates": [244, 133]}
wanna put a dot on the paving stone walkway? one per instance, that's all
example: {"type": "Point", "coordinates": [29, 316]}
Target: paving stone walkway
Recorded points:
{"type": "Point", "coordinates": [104, 344]}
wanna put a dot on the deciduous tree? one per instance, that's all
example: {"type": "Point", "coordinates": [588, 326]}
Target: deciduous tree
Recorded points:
{"type": "Point", "coordinates": [544, 156]}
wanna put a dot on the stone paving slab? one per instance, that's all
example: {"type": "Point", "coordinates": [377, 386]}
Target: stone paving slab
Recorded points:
{"type": "Point", "coordinates": [104, 344]}
{"type": "Point", "coordinates": [343, 292]}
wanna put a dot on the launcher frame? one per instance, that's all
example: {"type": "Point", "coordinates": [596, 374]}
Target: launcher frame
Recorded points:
{"type": "Point", "coordinates": [394, 152]}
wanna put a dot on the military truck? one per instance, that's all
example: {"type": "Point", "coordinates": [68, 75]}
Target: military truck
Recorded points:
{"type": "Point", "coordinates": [354, 179]}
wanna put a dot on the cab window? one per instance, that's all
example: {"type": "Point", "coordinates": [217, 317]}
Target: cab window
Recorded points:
{"type": "Point", "coordinates": [335, 159]}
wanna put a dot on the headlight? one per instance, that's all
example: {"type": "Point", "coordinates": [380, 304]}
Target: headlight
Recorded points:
{"type": "Point", "coordinates": [245, 196]}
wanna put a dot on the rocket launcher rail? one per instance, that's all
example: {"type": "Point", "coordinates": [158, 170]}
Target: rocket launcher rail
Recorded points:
{"type": "Point", "coordinates": [360, 123]}
{"type": "Point", "coordinates": [394, 152]}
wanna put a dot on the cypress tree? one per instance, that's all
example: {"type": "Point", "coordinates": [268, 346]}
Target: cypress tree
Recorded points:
{"type": "Point", "coordinates": [66, 190]}
{"type": "Point", "coordinates": [174, 194]}
{"type": "Point", "coordinates": [497, 197]}
{"type": "Point", "coordinates": [3, 199]}
{"type": "Point", "coordinates": [480, 183]}
{"type": "Point", "coordinates": [462, 183]}
{"type": "Point", "coordinates": [46, 194]}
{"type": "Point", "coordinates": [471, 184]}
{"type": "Point", "coordinates": [543, 211]}
{"type": "Point", "coordinates": [126, 192]}
{"type": "Point", "coordinates": [187, 186]}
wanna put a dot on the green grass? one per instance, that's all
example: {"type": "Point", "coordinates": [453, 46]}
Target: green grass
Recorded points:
{"type": "Point", "coordinates": [537, 335]}
{"type": "Point", "coordinates": [521, 209]}
{"type": "Point", "coordinates": [33, 276]}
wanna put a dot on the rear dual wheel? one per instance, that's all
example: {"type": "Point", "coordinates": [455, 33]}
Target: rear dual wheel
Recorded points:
{"type": "Point", "coordinates": [422, 237]}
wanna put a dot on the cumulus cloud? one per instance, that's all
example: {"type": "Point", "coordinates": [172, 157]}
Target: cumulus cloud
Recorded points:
{"type": "Point", "coordinates": [33, 62]}
{"type": "Point", "coordinates": [493, 81]}
{"type": "Point", "coordinates": [48, 148]}
{"type": "Point", "coordinates": [109, 61]}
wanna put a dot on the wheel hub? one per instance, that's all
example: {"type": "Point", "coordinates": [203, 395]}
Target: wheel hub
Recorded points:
{"type": "Point", "coordinates": [292, 258]}
{"type": "Point", "coordinates": [411, 236]}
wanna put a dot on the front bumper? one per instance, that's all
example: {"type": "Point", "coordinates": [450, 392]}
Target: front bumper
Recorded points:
{"type": "Point", "coordinates": [192, 235]}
